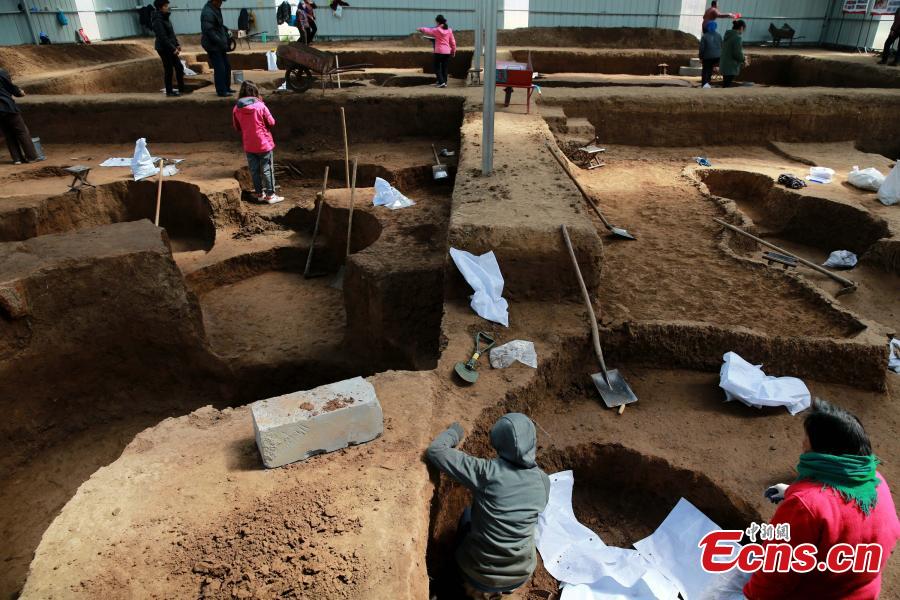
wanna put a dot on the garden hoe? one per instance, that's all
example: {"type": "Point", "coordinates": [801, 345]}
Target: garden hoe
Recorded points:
{"type": "Point", "coordinates": [468, 371]}
{"type": "Point", "coordinates": [613, 388]}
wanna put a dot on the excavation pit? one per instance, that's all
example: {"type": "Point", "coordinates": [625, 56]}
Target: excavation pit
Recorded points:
{"type": "Point", "coordinates": [219, 312]}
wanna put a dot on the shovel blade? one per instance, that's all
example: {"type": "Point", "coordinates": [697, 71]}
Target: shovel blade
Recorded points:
{"type": "Point", "coordinates": [622, 233]}
{"type": "Point", "coordinates": [465, 373]}
{"type": "Point", "coordinates": [439, 172]}
{"type": "Point", "coordinates": [617, 392]}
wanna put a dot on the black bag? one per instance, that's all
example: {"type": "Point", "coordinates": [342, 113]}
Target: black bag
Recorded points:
{"type": "Point", "coordinates": [244, 20]}
{"type": "Point", "coordinates": [145, 16]}
{"type": "Point", "coordinates": [283, 14]}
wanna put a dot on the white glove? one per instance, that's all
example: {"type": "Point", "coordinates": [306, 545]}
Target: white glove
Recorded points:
{"type": "Point", "coordinates": [776, 492]}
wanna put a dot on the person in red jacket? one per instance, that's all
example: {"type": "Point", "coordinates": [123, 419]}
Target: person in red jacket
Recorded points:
{"type": "Point", "coordinates": [253, 120]}
{"type": "Point", "coordinates": [839, 498]}
{"type": "Point", "coordinates": [444, 47]}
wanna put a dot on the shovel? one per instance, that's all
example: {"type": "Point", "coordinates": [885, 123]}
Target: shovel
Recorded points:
{"type": "Point", "coordinates": [438, 171]}
{"type": "Point", "coordinates": [613, 388]}
{"type": "Point", "coordinates": [338, 282]}
{"type": "Point", "coordinates": [306, 272]}
{"type": "Point", "coordinates": [468, 371]}
{"type": "Point", "coordinates": [616, 231]}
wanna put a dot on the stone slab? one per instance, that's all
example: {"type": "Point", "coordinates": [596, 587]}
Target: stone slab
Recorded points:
{"type": "Point", "coordinates": [295, 426]}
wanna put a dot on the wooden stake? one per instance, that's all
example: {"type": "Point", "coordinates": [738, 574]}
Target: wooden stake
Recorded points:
{"type": "Point", "coordinates": [346, 148]}
{"type": "Point", "coordinates": [159, 192]}
{"type": "Point", "coordinates": [350, 218]}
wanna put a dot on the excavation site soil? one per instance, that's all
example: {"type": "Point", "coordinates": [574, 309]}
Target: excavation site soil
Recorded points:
{"type": "Point", "coordinates": [130, 353]}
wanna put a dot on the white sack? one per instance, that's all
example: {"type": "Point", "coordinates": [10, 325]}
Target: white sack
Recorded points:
{"type": "Point", "coordinates": [889, 192]}
{"type": "Point", "coordinates": [841, 259]}
{"type": "Point", "coordinates": [894, 355]}
{"type": "Point", "coordinates": [510, 352]}
{"type": "Point", "coordinates": [188, 72]}
{"type": "Point", "coordinates": [868, 179]}
{"type": "Point", "coordinates": [747, 383]}
{"type": "Point", "coordinates": [271, 61]}
{"type": "Point", "coordinates": [822, 174]}
{"type": "Point", "coordinates": [389, 196]}
{"type": "Point", "coordinates": [483, 274]}
{"type": "Point", "coordinates": [142, 164]}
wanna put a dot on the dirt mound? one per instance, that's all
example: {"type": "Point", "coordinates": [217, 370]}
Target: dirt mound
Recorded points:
{"type": "Point", "coordinates": [270, 551]}
{"type": "Point", "coordinates": [581, 37]}
{"type": "Point", "coordinates": [27, 61]}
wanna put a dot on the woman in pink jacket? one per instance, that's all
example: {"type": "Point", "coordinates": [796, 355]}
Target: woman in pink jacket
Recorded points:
{"type": "Point", "coordinates": [253, 120]}
{"type": "Point", "coordinates": [444, 48]}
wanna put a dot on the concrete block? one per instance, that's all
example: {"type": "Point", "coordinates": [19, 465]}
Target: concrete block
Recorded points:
{"type": "Point", "coordinates": [296, 426]}
{"type": "Point", "coordinates": [690, 71]}
{"type": "Point", "coordinates": [696, 63]}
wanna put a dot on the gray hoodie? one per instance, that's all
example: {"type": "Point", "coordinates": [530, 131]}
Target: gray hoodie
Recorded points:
{"type": "Point", "coordinates": [508, 494]}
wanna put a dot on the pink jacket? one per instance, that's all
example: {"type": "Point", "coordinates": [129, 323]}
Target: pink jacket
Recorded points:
{"type": "Point", "coordinates": [251, 117]}
{"type": "Point", "coordinates": [444, 42]}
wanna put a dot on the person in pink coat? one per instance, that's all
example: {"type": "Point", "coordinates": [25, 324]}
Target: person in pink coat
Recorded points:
{"type": "Point", "coordinates": [444, 47]}
{"type": "Point", "coordinates": [253, 120]}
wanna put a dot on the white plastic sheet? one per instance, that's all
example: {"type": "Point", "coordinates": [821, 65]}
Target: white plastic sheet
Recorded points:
{"type": "Point", "coordinates": [483, 274]}
{"type": "Point", "coordinates": [188, 72]}
{"type": "Point", "coordinates": [841, 259]}
{"type": "Point", "coordinates": [116, 162]}
{"type": "Point", "coordinates": [747, 383]}
{"type": "Point", "coordinates": [889, 192]}
{"type": "Point", "coordinates": [388, 196]}
{"type": "Point", "coordinates": [271, 61]}
{"type": "Point", "coordinates": [867, 179]}
{"type": "Point", "coordinates": [894, 355]}
{"type": "Point", "coordinates": [142, 164]}
{"type": "Point", "coordinates": [517, 350]}
{"type": "Point", "coordinates": [662, 566]}
{"type": "Point", "coordinates": [820, 174]}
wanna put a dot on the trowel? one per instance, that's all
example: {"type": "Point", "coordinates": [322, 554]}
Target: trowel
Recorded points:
{"type": "Point", "coordinates": [468, 370]}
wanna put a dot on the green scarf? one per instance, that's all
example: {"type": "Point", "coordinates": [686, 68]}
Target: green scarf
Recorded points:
{"type": "Point", "coordinates": [853, 477]}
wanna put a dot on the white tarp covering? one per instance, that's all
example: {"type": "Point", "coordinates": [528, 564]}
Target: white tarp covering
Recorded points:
{"type": "Point", "coordinates": [483, 274]}
{"type": "Point", "coordinates": [389, 196]}
{"type": "Point", "coordinates": [663, 564]}
{"type": "Point", "coordinates": [894, 355]}
{"type": "Point", "coordinates": [747, 383]}
{"type": "Point", "coordinates": [142, 164]}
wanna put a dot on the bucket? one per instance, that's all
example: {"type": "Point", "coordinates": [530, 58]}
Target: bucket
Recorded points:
{"type": "Point", "coordinates": [38, 149]}
{"type": "Point", "coordinates": [237, 76]}
{"type": "Point", "coordinates": [265, 37]}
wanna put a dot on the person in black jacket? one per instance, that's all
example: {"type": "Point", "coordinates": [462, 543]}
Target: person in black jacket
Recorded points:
{"type": "Point", "coordinates": [13, 127]}
{"type": "Point", "coordinates": [167, 47]}
{"type": "Point", "coordinates": [214, 39]}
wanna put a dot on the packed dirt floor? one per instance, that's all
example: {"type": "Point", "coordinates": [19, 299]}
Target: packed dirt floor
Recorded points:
{"type": "Point", "coordinates": [130, 353]}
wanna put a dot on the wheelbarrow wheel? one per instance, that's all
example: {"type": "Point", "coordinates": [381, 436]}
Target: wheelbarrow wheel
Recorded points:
{"type": "Point", "coordinates": [232, 44]}
{"type": "Point", "coordinates": [299, 78]}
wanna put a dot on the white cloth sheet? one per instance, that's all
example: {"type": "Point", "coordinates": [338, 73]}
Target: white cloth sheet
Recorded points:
{"type": "Point", "coordinates": [663, 565]}
{"type": "Point", "coordinates": [388, 196]}
{"type": "Point", "coordinates": [517, 350]}
{"type": "Point", "coordinates": [483, 274]}
{"type": "Point", "coordinates": [747, 383]}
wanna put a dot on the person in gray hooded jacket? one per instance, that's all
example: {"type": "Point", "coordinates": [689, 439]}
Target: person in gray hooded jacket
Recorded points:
{"type": "Point", "coordinates": [498, 552]}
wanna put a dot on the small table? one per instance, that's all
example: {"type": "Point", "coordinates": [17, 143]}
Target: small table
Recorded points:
{"type": "Point", "coordinates": [79, 175]}
{"type": "Point", "coordinates": [593, 153]}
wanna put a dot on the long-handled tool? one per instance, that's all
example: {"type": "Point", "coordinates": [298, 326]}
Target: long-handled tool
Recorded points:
{"type": "Point", "coordinates": [849, 286]}
{"type": "Point", "coordinates": [616, 231]}
{"type": "Point", "coordinates": [312, 244]}
{"type": "Point", "coordinates": [338, 282]}
{"type": "Point", "coordinates": [159, 192]}
{"type": "Point", "coordinates": [468, 371]}
{"type": "Point", "coordinates": [438, 171]}
{"type": "Point", "coordinates": [613, 388]}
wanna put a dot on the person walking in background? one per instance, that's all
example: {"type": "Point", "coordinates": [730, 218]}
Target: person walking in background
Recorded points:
{"type": "Point", "coordinates": [301, 20]}
{"type": "Point", "coordinates": [712, 13]}
{"type": "Point", "coordinates": [251, 117]}
{"type": "Point", "coordinates": [311, 28]}
{"type": "Point", "coordinates": [18, 138]}
{"type": "Point", "coordinates": [167, 47]}
{"type": "Point", "coordinates": [444, 48]}
{"type": "Point", "coordinates": [732, 53]}
{"type": "Point", "coordinates": [710, 52]}
{"type": "Point", "coordinates": [892, 37]}
{"type": "Point", "coordinates": [214, 39]}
